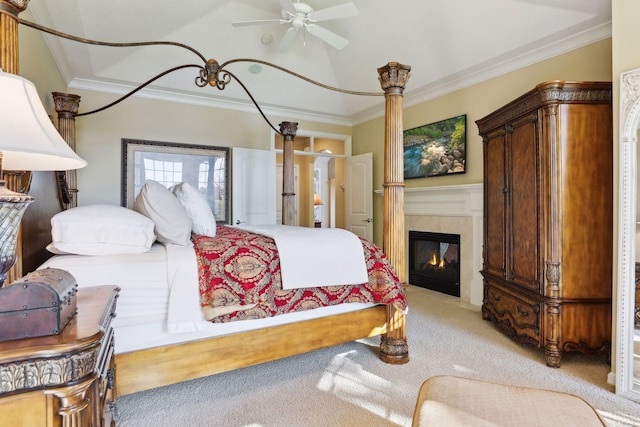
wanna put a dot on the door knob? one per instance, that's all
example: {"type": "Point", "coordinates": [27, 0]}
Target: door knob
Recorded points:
{"type": "Point", "coordinates": [369, 220]}
{"type": "Point", "coordinates": [240, 222]}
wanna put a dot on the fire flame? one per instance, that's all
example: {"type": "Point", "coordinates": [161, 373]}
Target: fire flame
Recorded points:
{"type": "Point", "coordinates": [434, 261]}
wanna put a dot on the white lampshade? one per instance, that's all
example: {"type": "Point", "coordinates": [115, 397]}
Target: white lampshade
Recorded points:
{"type": "Point", "coordinates": [28, 139]}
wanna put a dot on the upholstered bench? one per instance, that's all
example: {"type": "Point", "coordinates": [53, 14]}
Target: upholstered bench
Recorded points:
{"type": "Point", "coordinates": [448, 401]}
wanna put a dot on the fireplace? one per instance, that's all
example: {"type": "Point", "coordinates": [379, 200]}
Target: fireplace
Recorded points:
{"type": "Point", "coordinates": [434, 261]}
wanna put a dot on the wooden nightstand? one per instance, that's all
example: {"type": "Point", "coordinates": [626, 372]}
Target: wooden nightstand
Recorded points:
{"type": "Point", "coordinates": [65, 379]}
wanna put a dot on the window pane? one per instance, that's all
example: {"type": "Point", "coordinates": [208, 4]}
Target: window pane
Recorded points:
{"type": "Point", "coordinates": [204, 167]}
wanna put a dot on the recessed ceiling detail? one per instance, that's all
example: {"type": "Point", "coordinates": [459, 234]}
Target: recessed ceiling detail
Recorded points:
{"type": "Point", "coordinates": [449, 44]}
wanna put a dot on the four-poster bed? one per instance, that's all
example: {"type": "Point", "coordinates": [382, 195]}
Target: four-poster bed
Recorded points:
{"type": "Point", "coordinates": [157, 366]}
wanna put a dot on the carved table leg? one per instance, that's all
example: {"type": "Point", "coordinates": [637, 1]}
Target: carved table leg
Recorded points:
{"type": "Point", "coordinates": [74, 403]}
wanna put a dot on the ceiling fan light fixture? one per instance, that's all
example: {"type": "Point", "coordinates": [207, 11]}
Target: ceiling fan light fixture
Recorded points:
{"type": "Point", "coordinates": [297, 22]}
{"type": "Point", "coordinates": [302, 16]}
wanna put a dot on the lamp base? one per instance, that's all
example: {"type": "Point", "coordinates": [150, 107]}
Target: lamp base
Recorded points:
{"type": "Point", "coordinates": [12, 207]}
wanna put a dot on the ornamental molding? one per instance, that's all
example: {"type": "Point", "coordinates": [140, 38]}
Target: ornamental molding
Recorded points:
{"type": "Point", "coordinates": [41, 373]}
{"type": "Point", "coordinates": [544, 96]}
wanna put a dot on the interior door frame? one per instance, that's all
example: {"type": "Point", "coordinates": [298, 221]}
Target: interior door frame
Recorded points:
{"type": "Point", "coordinates": [253, 189]}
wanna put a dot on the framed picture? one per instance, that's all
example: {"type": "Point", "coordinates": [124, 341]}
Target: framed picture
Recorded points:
{"type": "Point", "coordinates": [436, 149]}
{"type": "Point", "coordinates": [205, 167]}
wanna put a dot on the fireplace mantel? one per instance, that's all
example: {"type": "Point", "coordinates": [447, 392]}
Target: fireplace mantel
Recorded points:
{"type": "Point", "coordinates": [445, 204]}
{"type": "Point", "coordinates": [450, 200]}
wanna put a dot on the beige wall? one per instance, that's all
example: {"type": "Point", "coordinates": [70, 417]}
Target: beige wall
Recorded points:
{"type": "Point", "coordinates": [36, 63]}
{"type": "Point", "coordinates": [99, 135]}
{"type": "Point", "coordinates": [592, 62]}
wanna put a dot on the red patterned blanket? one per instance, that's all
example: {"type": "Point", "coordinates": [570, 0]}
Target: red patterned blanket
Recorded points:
{"type": "Point", "coordinates": [239, 275]}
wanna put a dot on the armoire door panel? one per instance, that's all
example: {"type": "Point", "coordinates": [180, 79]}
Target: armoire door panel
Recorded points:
{"type": "Point", "coordinates": [524, 261]}
{"type": "Point", "coordinates": [495, 195]}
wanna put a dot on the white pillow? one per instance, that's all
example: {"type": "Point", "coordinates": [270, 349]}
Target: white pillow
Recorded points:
{"type": "Point", "coordinates": [100, 230]}
{"type": "Point", "coordinates": [198, 209]}
{"type": "Point", "coordinates": [170, 218]}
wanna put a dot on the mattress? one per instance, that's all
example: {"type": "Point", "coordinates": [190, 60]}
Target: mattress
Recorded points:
{"type": "Point", "coordinates": [159, 298]}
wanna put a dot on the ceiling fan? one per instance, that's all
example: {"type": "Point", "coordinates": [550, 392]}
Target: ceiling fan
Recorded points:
{"type": "Point", "coordinates": [302, 16]}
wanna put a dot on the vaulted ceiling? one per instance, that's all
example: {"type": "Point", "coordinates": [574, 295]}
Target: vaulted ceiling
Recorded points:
{"type": "Point", "coordinates": [449, 44]}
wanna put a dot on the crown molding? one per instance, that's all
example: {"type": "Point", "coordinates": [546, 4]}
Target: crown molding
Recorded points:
{"type": "Point", "coordinates": [208, 101]}
{"type": "Point", "coordinates": [468, 77]}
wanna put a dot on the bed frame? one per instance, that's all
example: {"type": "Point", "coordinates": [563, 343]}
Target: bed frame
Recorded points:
{"type": "Point", "coordinates": [155, 367]}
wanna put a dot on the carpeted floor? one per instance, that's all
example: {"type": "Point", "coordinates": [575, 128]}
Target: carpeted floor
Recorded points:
{"type": "Point", "coordinates": [348, 385]}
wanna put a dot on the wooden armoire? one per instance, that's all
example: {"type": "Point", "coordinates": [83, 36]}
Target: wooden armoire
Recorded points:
{"type": "Point", "coordinates": [548, 217]}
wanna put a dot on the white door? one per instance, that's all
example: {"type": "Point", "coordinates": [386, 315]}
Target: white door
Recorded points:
{"type": "Point", "coordinates": [253, 187]}
{"type": "Point", "coordinates": [359, 195]}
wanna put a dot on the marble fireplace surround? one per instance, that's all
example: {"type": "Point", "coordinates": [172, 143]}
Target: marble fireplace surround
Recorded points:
{"type": "Point", "coordinates": [455, 209]}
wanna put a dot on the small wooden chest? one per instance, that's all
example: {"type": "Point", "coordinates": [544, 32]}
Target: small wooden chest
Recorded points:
{"type": "Point", "coordinates": [41, 303]}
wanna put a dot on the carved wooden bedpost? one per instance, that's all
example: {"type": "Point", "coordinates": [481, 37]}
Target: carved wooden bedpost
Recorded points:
{"type": "Point", "coordinates": [9, 63]}
{"type": "Point", "coordinates": [393, 76]}
{"type": "Point", "coordinates": [9, 34]}
{"type": "Point", "coordinates": [288, 131]}
{"type": "Point", "coordinates": [67, 108]}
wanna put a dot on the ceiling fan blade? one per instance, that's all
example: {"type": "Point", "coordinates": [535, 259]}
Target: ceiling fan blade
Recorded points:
{"type": "Point", "coordinates": [335, 12]}
{"type": "Point", "coordinates": [288, 7]}
{"type": "Point", "coordinates": [287, 40]}
{"type": "Point", "coordinates": [258, 22]}
{"type": "Point", "coordinates": [327, 36]}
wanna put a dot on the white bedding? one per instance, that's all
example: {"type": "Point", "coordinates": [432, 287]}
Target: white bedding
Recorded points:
{"type": "Point", "coordinates": [142, 277]}
{"type": "Point", "coordinates": [336, 253]}
{"type": "Point", "coordinates": [159, 297]}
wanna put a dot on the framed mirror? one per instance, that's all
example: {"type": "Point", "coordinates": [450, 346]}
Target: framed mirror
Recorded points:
{"type": "Point", "coordinates": [627, 336]}
{"type": "Point", "coordinates": [204, 167]}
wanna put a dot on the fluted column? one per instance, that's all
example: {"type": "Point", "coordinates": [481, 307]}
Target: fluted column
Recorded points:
{"type": "Point", "coordinates": [288, 131]}
{"type": "Point", "coordinates": [9, 34]}
{"type": "Point", "coordinates": [9, 62]}
{"type": "Point", "coordinates": [393, 76]}
{"type": "Point", "coordinates": [74, 402]}
{"type": "Point", "coordinates": [67, 108]}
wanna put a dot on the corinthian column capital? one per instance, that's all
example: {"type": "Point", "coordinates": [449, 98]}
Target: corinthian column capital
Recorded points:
{"type": "Point", "coordinates": [14, 6]}
{"type": "Point", "coordinates": [393, 75]}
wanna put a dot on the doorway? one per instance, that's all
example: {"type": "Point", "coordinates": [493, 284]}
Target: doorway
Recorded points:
{"type": "Point", "coordinates": [319, 159]}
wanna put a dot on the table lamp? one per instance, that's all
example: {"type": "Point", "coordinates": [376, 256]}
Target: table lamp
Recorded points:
{"type": "Point", "coordinates": [317, 202]}
{"type": "Point", "coordinates": [28, 142]}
